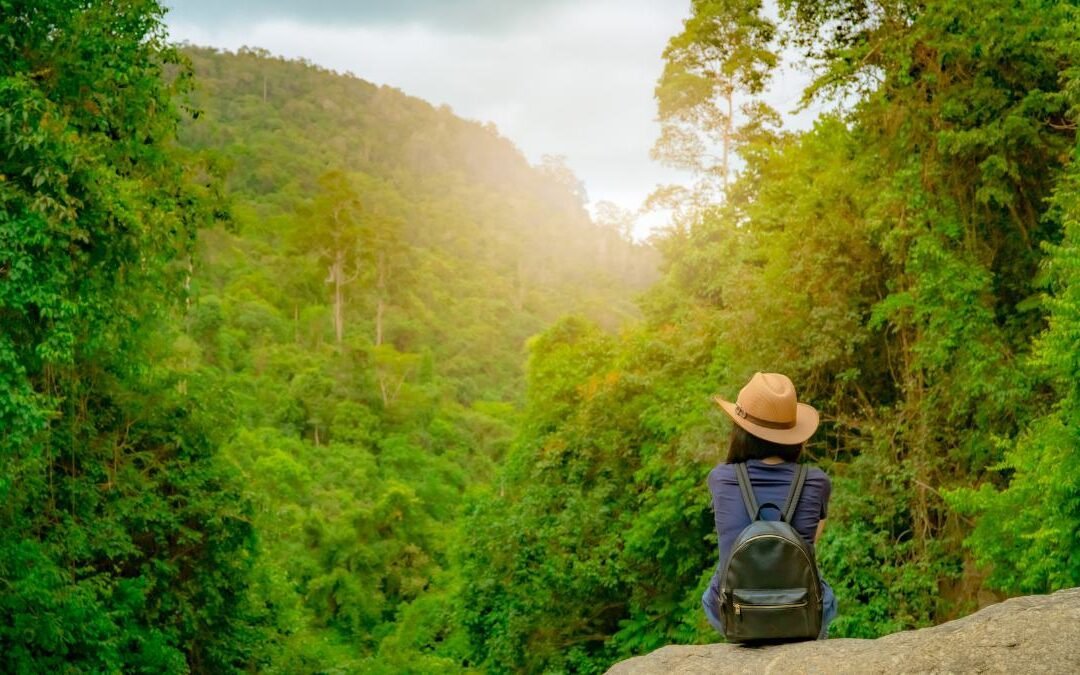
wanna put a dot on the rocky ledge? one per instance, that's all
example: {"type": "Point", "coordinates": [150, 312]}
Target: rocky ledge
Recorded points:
{"type": "Point", "coordinates": [1032, 634]}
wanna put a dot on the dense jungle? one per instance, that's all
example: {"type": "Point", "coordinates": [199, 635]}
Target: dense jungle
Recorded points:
{"type": "Point", "coordinates": [303, 374]}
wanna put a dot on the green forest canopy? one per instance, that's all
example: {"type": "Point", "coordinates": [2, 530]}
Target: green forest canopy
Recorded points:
{"type": "Point", "coordinates": [266, 404]}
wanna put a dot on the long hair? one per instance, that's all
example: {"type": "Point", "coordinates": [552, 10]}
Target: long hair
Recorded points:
{"type": "Point", "coordinates": [745, 445]}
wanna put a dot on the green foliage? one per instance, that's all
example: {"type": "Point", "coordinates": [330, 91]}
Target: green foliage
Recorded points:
{"type": "Point", "coordinates": [328, 457]}
{"type": "Point", "coordinates": [365, 309]}
{"type": "Point", "coordinates": [124, 547]}
{"type": "Point", "coordinates": [890, 260]}
{"type": "Point", "coordinates": [1026, 532]}
{"type": "Point", "coordinates": [589, 548]}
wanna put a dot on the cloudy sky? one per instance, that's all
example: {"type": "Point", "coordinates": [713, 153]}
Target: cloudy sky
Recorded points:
{"type": "Point", "coordinates": [558, 77]}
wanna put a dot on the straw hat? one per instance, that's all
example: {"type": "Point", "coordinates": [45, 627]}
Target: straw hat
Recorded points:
{"type": "Point", "coordinates": [767, 408]}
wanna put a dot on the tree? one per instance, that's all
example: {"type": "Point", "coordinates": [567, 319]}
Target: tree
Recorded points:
{"type": "Point", "coordinates": [567, 184]}
{"type": "Point", "coordinates": [336, 232]}
{"type": "Point", "coordinates": [724, 50]}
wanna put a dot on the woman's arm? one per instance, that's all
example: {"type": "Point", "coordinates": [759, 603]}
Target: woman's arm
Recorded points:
{"type": "Point", "coordinates": [826, 493]}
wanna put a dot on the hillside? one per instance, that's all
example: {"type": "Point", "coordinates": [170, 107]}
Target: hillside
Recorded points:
{"type": "Point", "coordinates": [364, 311]}
{"type": "Point", "coordinates": [487, 249]}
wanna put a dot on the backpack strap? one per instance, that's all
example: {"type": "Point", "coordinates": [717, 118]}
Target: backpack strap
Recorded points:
{"type": "Point", "coordinates": [746, 489]}
{"type": "Point", "coordinates": [796, 492]}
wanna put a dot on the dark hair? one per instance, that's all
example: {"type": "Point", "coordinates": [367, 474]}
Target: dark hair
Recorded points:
{"type": "Point", "coordinates": [745, 445]}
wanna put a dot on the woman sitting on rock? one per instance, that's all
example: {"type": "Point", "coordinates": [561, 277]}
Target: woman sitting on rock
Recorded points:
{"type": "Point", "coordinates": [766, 586]}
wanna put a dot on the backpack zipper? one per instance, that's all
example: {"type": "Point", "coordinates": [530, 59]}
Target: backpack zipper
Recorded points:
{"type": "Point", "coordinates": [739, 606]}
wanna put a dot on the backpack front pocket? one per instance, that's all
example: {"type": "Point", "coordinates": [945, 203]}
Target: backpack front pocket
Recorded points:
{"type": "Point", "coordinates": [770, 613]}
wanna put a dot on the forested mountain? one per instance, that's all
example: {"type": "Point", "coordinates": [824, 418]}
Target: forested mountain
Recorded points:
{"type": "Point", "coordinates": [252, 374]}
{"type": "Point", "coordinates": [301, 374]}
{"type": "Point", "coordinates": [366, 308]}
{"type": "Point", "coordinates": [456, 237]}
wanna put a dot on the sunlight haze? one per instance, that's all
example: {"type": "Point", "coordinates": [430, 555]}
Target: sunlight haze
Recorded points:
{"type": "Point", "coordinates": [556, 77]}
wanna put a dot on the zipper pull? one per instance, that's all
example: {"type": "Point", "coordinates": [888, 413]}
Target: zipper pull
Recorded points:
{"type": "Point", "coordinates": [738, 609]}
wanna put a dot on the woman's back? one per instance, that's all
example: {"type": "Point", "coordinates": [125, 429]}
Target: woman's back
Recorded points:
{"type": "Point", "coordinates": [771, 483]}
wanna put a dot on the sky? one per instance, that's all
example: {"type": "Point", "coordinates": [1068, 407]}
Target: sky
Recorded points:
{"type": "Point", "coordinates": [557, 77]}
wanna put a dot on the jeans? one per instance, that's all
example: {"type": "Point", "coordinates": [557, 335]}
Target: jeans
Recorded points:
{"type": "Point", "coordinates": [710, 601]}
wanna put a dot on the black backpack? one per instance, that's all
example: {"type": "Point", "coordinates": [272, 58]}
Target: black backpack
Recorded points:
{"type": "Point", "coordinates": [770, 589]}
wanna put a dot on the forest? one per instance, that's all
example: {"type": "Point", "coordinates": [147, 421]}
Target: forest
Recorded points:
{"type": "Point", "coordinates": [301, 374]}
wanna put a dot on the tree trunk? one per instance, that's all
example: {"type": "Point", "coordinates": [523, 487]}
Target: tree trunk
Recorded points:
{"type": "Point", "coordinates": [380, 293]}
{"type": "Point", "coordinates": [337, 278]}
{"type": "Point", "coordinates": [728, 126]}
{"type": "Point", "coordinates": [389, 388]}
{"type": "Point", "coordinates": [521, 287]}
{"type": "Point", "coordinates": [187, 283]}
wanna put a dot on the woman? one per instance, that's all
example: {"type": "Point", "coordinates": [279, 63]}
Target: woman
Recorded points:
{"type": "Point", "coordinates": [770, 429]}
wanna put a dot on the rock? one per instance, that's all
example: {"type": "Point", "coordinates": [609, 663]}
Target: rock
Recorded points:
{"type": "Point", "coordinates": [1033, 634]}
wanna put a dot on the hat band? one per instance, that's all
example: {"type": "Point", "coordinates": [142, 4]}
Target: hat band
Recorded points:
{"type": "Point", "coordinates": [763, 423]}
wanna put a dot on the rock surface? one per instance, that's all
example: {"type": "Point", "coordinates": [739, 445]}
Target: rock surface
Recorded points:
{"type": "Point", "coordinates": [1033, 634]}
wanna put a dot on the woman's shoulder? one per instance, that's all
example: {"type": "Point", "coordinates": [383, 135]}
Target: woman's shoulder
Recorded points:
{"type": "Point", "coordinates": [819, 480]}
{"type": "Point", "coordinates": [722, 473]}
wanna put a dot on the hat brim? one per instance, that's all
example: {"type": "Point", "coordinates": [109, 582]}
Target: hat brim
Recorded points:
{"type": "Point", "coordinates": [806, 423]}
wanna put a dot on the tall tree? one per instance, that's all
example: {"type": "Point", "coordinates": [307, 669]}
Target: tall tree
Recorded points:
{"type": "Point", "coordinates": [337, 232]}
{"type": "Point", "coordinates": [723, 51]}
